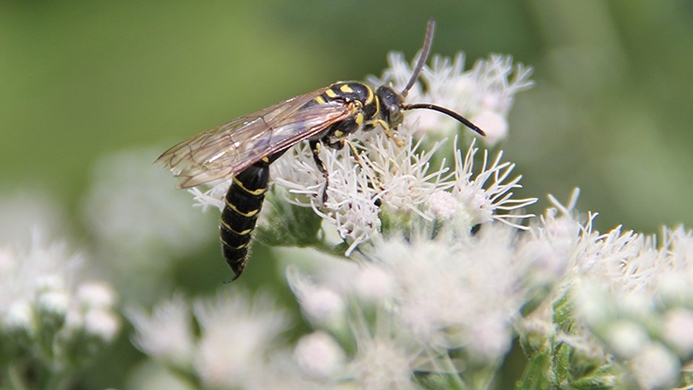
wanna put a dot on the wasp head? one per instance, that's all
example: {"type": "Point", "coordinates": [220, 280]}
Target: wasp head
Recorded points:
{"type": "Point", "coordinates": [391, 104]}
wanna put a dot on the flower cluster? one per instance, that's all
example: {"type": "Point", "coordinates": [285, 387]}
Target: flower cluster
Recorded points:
{"type": "Point", "coordinates": [388, 187]}
{"type": "Point", "coordinates": [446, 270]}
{"type": "Point", "coordinates": [238, 345]}
{"type": "Point", "coordinates": [442, 298]}
{"type": "Point", "coordinates": [623, 310]}
{"type": "Point", "coordinates": [51, 319]}
{"type": "Point", "coordinates": [590, 309]}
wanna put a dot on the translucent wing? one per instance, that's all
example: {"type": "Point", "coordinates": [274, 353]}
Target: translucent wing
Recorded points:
{"type": "Point", "coordinates": [223, 151]}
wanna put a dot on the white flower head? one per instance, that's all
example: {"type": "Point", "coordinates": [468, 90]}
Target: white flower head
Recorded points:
{"type": "Point", "coordinates": [552, 240]}
{"type": "Point", "coordinates": [402, 182]}
{"type": "Point", "coordinates": [655, 367]}
{"type": "Point", "coordinates": [455, 291]}
{"type": "Point", "coordinates": [237, 333]}
{"type": "Point", "coordinates": [402, 176]}
{"type": "Point", "coordinates": [40, 309]}
{"type": "Point", "coordinates": [166, 333]}
{"type": "Point", "coordinates": [625, 338]}
{"type": "Point", "coordinates": [19, 317]}
{"type": "Point", "coordinates": [53, 304]}
{"type": "Point", "coordinates": [96, 294]}
{"type": "Point", "coordinates": [319, 356]}
{"type": "Point", "coordinates": [45, 277]}
{"type": "Point", "coordinates": [380, 363]}
{"type": "Point", "coordinates": [678, 330]}
{"type": "Point", "coordinates": [102, 324]}
{"type": "Point", "coordinates": [320, 304]}
{"type": "Point", "coordinates": [443, 205]}
{"type": "Point", "coordinates": [489, 192]}
{"type": "Point", "coordinates": [373, 283]}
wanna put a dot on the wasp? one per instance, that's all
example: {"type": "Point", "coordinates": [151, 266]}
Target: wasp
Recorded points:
{"type": "Point", "coordinates": [244, 148]}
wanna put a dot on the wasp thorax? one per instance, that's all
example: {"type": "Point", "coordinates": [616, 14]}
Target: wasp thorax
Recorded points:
{"type": "Point", "coordinates": [390, 105]}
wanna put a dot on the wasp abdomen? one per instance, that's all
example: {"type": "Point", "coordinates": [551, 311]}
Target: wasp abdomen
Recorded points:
{"type": "Point", "coordinates": [242, 205]}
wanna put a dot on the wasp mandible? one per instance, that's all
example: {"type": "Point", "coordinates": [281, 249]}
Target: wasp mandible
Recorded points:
{"type": "Point", "coordinates": [244, 148]}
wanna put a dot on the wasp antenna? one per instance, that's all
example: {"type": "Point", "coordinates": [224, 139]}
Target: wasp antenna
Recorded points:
{"type": "Point", "coordinates": [425, 51]}
{"type": "Point", "coordinates": [447, 112]}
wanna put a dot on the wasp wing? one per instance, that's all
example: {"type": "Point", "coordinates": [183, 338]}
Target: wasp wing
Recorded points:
{"type": "Point", "coordinates": [223, 151]}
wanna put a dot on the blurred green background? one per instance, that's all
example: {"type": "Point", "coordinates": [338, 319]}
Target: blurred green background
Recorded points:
{"type": "Point", "coordinates": [611, 111]}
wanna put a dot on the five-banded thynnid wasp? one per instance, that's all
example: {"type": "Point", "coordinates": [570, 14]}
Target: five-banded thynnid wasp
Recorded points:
{"type": "Point", "coordinates": [245, 147]}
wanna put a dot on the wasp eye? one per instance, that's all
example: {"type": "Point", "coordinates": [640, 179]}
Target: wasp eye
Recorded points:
{"type": "Point", "coordinates": [395, 115]}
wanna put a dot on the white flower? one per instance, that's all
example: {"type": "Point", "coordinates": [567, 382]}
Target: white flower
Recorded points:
{"type": "Point", "coordinates": [488, 192]}
{"type": "Point", "coordinates": [166, 333]}
{"type": "Point", "coordinates": [447, 287]}
{"type": "Point", "coordinates": [404, 183]}
{"type": "Point", "coordinates": [373, 284]}
{"type": "Point", "coordinates": [656, 367]}
{"type": "Point", "coordinates": [443, 205]}
{"type": "Point", "coordinates": [320, 304]}
{"type": "Point", "coordinates": [40, 311]}
{"type": "Point", "coordinates": [102, 323]}
{"type": "Point", "coordinates": [319, 356]}
{"type": "Point", "coordinates": [625, 338]}
{"type": "Point", "coordinates": [19, 316]}
{"type": "Point", "coordinates": [53, 303]}
{"type": "Point", "coordinates": [380, 363]}
{"type": "Point", "coordinates": [236, 335]}
{"type": "Point", "coordinates": [44, 276]}
{"type": "Point", "coordinates": [95, 294]}
{"type": "Point", "coordinates": [678, 330]}
{"type": "Point", "coordinates": [553, 240]}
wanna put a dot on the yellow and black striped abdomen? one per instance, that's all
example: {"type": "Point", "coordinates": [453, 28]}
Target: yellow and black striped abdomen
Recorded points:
{"type": "Point", "coordinates": [242, 206]}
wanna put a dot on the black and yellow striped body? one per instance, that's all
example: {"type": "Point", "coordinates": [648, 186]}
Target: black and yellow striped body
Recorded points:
{"type": "Point", "coordinates": [242, 206]}
{"type": "Point", "coordinates": [244, 198]}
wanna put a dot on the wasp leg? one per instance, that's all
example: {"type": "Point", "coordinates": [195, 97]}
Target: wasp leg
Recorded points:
{"type": "Point", "coordinates": [354, 152]}
{"type": "Point", "coordinates": [315, 148]}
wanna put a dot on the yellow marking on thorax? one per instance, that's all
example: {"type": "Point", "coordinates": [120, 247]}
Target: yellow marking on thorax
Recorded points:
{"type": "Point", "coordinates": [331, 94]}
{"type": "Point", "coordinates": [346, 88]}
{"type": "Point", "coordinates": [370, 98]}
{"type": "Point", "coordinates": [359, 119]}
